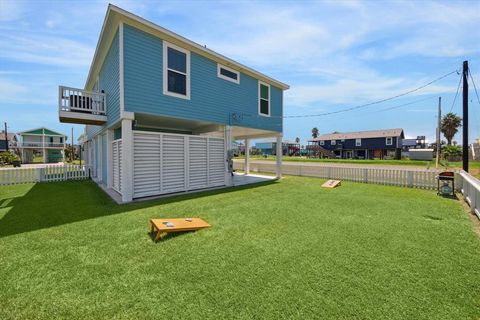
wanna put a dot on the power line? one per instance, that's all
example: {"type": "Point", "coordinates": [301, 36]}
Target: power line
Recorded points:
{"type": "Point", "coordinates": [405, 104]}
{"type": "Point", "coordinates": [474, 86]}
{"type": "Point", "coordinates": [374, 102]}
{"type": "Point", "coordinates": [456, 94]}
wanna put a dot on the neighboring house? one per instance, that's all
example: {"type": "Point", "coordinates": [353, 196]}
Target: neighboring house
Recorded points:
{"type": "Point", "coordinates": [9, 139]}
{"type": "Point", "coordinates": [376, 144]}
{"type": "Point", "coordinates": [162, 111]}
{"type": "Point", "coordinates": [268, 147]}
{"type": "Point", "coordinates": [43, 144]}
{"type": "Point", "coordinates": [418, 143]}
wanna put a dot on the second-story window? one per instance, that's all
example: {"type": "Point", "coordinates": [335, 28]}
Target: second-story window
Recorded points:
{"type": "Point", "coordinates": [358, 142]}
{"type": "Point", "coordinates": [263, 99]}
{"type": "Point", "coordinates": [228, 74]}
{"type": "Point", "coordinates": [333, 142]}
{"type": "Point", "coordinates": [176, 71]}
{"type": "Point", "coordinates": [322, 142]}
{"type": "Point", "coordinates": [389, 141]}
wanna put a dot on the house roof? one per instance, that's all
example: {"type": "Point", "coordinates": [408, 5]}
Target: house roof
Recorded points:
{"type": "Point", "coordinates": [361, 134]}
{"type": "Point", "coordinates": [10, 135]}
{"type": "Point", "coordinates": [41, 131]}
{"type": "Point", "coordinates": [115, 16]}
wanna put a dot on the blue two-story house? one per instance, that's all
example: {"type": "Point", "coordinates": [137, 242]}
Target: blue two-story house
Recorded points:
{"type": "Point", "coordinates": [161, 111]}
{"type": "Point", "coordinates": [375, 144]}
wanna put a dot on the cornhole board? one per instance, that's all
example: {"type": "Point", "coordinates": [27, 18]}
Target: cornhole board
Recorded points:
{"type": "Point", "coordinates": [179, 225]}
{"type": "Point", "coordinates": [332, 184]}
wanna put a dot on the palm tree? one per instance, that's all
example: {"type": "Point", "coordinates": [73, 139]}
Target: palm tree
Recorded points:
{"type": "Point", "coordinates": [315, 132]}
{"type": "Point", "coordinates": [297, 141]}
{"type": "Point", "coordinates": [449, 127]}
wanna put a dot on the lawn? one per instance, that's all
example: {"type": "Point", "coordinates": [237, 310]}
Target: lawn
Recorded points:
{"type": "Point", "coordinates": [287, 249]}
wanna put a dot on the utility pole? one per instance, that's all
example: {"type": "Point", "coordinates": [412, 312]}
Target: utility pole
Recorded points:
{"type": "Point", "coordinates": [6, 137]}
{"type": "Point", "coordinates": [465, 116]}
{"type": "Point", "coordinates": [437, 159]}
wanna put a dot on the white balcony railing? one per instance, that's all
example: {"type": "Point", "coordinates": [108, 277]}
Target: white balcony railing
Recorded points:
{"type": "Point", "coordinates": [32, 144]}
{"type": "Point", "coordinates": [77, 100]}
{"type": "Point", "coordinates": [81, 106]}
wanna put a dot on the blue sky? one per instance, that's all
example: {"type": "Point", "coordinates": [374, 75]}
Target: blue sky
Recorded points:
{"type": "Point", "coordinates": [333, 54]}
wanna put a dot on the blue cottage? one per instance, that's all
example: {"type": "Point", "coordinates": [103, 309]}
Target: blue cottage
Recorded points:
{"type": "Point", "coordinates": [161, 111]}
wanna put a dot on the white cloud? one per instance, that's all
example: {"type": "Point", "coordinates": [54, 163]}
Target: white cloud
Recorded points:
{"type": "Point", "coordinates": [11, 10]}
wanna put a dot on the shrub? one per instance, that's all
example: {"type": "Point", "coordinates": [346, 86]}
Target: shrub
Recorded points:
{"type": "Point", "coordinates": [452, 153]}
{"type": "Point", "coordinates": [8, 157]}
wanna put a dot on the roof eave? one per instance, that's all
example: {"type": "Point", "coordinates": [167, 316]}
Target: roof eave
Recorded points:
{"type": "Point", "coordinates": [124, 16]}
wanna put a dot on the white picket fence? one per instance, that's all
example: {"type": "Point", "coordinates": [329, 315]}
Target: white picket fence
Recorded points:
{"type": "Point", "coordinates": [470, 187]}
{"type": "Point", "coordinates": [46, 174]}
{"type": "Point", "coordinates": [423, 179]}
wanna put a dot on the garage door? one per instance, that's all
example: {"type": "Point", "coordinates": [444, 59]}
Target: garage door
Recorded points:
{"type": "Point", "coordinates": [167, 163]}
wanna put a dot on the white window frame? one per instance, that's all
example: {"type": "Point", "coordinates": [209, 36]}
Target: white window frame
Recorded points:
{"type": "Point", "coordinates": [269, 99]}
{"type": "Point", "coordinates": [333, 142]}
{"type": "Point", "coordinates": [358, 142]}
{"type": "Point", "coordinates": [322, 143]}
{"type": "Point", "coordinates": [167, 45]}
{"type": "Point", "coordinates": [391, 141]}
{"type": "Point", "coordinates": [220, 66]}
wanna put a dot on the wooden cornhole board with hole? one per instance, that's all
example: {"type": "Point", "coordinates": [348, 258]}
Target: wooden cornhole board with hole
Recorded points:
{"type": "Point", "coordinates": [332, 184]}
{"type": "Point", "coordinates": [179, 225]}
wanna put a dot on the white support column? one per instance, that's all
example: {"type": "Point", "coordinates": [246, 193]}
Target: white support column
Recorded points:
{"type": "Point", "coordinates": [228, 148]}
{"type": "Point", "coordinates": [44, 151]}
{"type": "Point", "coordinates": [100, 158]}
{"type": "Point", "coordinates": [109, 158]}
{"type": "Point", "coordinates": [247, 156]}
{"type": "Point", "coordinates": [279, 154]}
{"type": "Point", "coordinates": [127, 160]}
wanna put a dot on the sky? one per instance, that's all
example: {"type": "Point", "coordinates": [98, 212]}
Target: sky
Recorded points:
{"type": "Point", "coordinates": [333, 54]}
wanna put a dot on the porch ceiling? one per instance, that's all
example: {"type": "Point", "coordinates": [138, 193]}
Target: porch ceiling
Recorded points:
{"type": "Point", "coordinates": [250, 133]}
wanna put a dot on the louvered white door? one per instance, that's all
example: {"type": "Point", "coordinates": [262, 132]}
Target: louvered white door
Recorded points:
{"type": "Point", "coordinates": [117, 165]}
{"type": "Point", "coordinates": [173, 163]}
{"type": "Point", "coordinates": [146, 164]}
{"type": "Point", "coordinates": [216, 163]}
{"type": "Point", "coordinates": [198, 163]}
{"type": "Point", "coordinates": [168, 163]}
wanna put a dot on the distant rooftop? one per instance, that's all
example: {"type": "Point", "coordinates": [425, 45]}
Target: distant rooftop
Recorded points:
{"type": "Point", "coordinates": [361, 134]}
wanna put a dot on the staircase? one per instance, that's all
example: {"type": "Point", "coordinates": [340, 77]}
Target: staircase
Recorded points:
{"type": "Point", "coordinates": [316, 151]}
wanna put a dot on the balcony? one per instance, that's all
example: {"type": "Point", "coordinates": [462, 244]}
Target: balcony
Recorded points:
{"type": "Point", "coordinates": [36, 144]}
{"type": "Point", "coordinates": [82, 107]}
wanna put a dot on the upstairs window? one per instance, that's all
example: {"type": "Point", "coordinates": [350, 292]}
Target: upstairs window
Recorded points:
{"type": "Point", "coordinates": [176, 71]}
{"type": "Point", "coordinates": [333, 142]}
{"type": "Point", "coordinates": [358, 142]}
{"type": "Point", "coordinates": [322, 142]}
{"type": "Point", "coordinates": [389, 141]}
{"type": "Point", "coordinates": [228, 74]}
{"type": "Point", "coordinates": [263, 99]}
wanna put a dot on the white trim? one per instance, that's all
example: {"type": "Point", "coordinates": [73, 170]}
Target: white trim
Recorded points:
{"type": "Point", "coordinates": [322, 142]}
{"type": "Point", "coordinates": [358, 142]}
{"type": "Point", "coordinates": [221, 66]}
{"type": "Point", "coordinates": [167, 45]}
{"type": "Point", "coordinates": [121, 70]}
{"type": "Point", "coordinates": [260, 83]}
{"type": "Point", "coordinates": [333, 142]}
{"type": "Point", "coordinates": [386, 141]}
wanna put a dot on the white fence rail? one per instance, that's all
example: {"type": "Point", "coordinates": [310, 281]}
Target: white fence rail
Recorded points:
{"type": "Point", "coordinates": [78, 100]}
{"type": "Point", "coordinates": [423, 179]}
{"type": "Point", "coordinates": [47, 174]}
{"type": "Point", "coordinates": [470, 188]}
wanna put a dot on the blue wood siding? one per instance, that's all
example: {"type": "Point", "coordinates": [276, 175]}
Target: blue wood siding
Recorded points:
{"type": "Point", "coordinates": [109, 81]}
{"type": "Point", "coordinates": [212, 99]}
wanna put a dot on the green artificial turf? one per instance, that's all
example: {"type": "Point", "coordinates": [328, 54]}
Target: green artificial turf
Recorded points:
{"type": "Point", "coordinates": [287, 249]}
